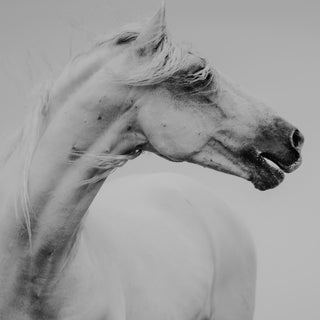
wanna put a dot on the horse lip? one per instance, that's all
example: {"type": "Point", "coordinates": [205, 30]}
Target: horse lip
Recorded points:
{"type": "Point", "coordinates": [264, 176]}
{"type": "Point", "coordinates": [269, 176]}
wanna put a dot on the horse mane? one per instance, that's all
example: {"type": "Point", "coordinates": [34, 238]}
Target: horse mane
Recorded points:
{"type": "Point", "coordinates": [170, 63]}
{"type": "Point", "coordinates": [25, 141]}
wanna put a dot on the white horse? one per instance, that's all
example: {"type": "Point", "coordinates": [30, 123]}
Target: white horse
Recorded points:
{"type": "Point", "coordinates": [158, 247]}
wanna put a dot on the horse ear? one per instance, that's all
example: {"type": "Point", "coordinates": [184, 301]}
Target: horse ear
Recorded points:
{"type": "Point", "coordinates": [152, 34]}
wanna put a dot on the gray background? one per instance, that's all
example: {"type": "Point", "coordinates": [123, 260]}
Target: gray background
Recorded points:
{"type": "Point", "coordinates": [270, 47]}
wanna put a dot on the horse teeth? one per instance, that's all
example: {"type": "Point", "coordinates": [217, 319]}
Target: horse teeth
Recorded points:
{"type": "Point", "coordinates": [271, 163]}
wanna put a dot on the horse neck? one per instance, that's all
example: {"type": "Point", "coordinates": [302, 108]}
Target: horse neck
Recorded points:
{"type": "Point", "coordinates": [84, 138]}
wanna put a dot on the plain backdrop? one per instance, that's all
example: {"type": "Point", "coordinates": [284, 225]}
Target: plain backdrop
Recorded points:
{"type": "Point", "coordinates": [269, 47]}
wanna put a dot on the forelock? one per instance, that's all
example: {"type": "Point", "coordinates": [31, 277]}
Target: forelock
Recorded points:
{"type": "Point", "coordinates": [169, 64]}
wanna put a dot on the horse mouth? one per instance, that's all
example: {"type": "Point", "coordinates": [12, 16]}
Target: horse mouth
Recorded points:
{"type": "Point", "coordinates": [268, 172]}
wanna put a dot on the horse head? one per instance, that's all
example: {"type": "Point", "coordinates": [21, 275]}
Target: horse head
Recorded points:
{"type": "Point", "coordinates": [183, 109]}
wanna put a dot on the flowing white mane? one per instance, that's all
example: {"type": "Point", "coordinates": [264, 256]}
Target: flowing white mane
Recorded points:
{"type": "Point", "coordinates": [25, 141]}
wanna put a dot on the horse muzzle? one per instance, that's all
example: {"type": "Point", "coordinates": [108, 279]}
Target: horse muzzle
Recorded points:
{"type": "Point", "coordinates": [277, 150]}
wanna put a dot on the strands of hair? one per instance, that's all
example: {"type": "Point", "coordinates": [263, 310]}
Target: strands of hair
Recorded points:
{"type": "Point", "coordinates": [25, 142]}
{"type": "Point", "coordinates": [169, 62]}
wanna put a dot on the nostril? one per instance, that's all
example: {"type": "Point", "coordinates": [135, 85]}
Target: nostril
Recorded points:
{"type": "Point", "coordinates": [297, 139]}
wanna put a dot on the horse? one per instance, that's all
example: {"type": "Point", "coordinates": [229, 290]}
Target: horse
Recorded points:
{"type": "Point", "coordinates": [149, 247]}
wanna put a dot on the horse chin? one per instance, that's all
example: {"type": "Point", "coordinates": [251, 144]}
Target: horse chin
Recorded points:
{"type": "Point", "coordinates": [264, 182]}
{"type": "Point", "coordinates": [265, 174]}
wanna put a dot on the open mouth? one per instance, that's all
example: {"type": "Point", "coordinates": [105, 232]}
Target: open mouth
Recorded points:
{"type": "Point", "coordinates": [268, 172]}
